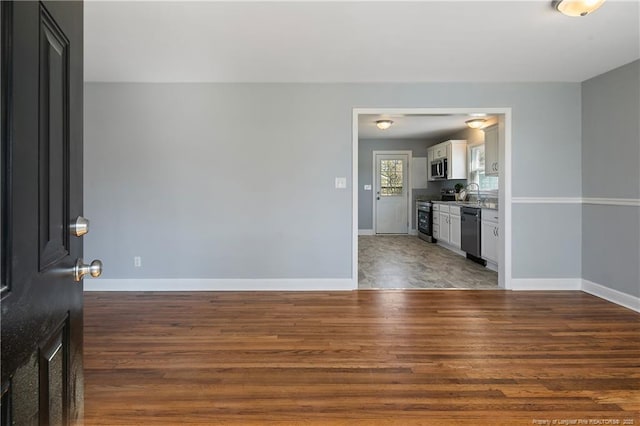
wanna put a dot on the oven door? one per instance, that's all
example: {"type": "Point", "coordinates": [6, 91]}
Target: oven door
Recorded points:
{"type": "Point", "coordinates": [424, 222]}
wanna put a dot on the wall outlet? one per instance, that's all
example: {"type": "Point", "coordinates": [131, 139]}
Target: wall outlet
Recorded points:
{"type": "Point", "coordinates": [137, 261]}
{"type": "Point", "coordinates": [367, 187]}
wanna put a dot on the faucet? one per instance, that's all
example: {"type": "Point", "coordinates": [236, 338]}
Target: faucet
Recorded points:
{"type": "Point", "coordinates": [478, 188]}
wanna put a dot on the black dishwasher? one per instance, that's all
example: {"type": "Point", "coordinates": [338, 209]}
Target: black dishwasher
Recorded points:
{"type": "Point", "coordinates": [470, 232]}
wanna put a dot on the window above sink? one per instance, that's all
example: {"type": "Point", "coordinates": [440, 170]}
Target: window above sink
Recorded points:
{"type": "Point", "coordinates": [476, 170]}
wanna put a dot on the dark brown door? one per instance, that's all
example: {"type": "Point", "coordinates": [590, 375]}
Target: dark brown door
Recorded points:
{"type": "Point", "coordinates": [42, 84]}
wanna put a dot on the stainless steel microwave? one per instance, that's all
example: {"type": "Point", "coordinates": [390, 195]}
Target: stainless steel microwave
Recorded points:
{"type": "Point", "coordinates": [439, 169]}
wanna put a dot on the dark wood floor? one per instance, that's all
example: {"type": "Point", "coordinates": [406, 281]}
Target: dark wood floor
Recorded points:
{"type": "Point", "coordinates": [362, 357]}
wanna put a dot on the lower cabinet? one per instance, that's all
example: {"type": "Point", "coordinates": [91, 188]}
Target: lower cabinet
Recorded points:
{"type": "Point", "coordinates": [448, 224]}
{"type": "Point", "coordinates": [489, 238]}
{"type": "Point", "coordinates": [454, 226]}
{"type": "Point", "coordinates": [454, 230]}
{"type": "Point", "coordinates": [447, 229]}
{"type": "Point", "coordinates": [444, 227]}
{"type": "Point", "coordinates": [436, 221]}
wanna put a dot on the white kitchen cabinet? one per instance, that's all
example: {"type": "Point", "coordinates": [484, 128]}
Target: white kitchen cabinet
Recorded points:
{"type": "Point", "coordinates": [440, 151]}
{"type": "Point", "coordinates": [444, 227]}
{"type": "Point", "coordinates": [491, 151]}
{"type": "Point", "coordinates": [454, 228]}
{"type": "Point", "coordinates": [489, 235]}
{"type": "Point", "coordinates": [456, 159]}
{"type": "Point", "coordinates": [455, 151]}
{"type": "Point", "coordinates": [435, 211]}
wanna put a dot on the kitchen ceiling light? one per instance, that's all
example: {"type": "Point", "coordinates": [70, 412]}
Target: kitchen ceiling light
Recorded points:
{"type": "Point", "coordinates": [476, 123]}
{"type": "Point", "coordinates": [577, 7]}
{"type": "Point", "coordinates": [384, 124]}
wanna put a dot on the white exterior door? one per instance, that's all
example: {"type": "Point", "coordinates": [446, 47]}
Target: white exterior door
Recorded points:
{"type": "Point", "coordinates": [392, 193]}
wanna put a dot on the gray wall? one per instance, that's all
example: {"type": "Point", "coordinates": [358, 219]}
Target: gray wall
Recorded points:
{"type": "Point", "coordinates": [611, 169]}
{"type": "Point", "coordinates": [237, 180]}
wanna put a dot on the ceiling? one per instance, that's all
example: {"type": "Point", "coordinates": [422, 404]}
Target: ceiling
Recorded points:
{"type": "Point", "coordinates": [428, 127]}
{"type": "Point", "coordinates": [362, 41]}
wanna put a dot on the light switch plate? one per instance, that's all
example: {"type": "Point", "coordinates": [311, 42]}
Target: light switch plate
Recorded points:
{"type": "Point", "coordinates": [341, 182]}
{"type": "Point", "coordinates": [367, 187]}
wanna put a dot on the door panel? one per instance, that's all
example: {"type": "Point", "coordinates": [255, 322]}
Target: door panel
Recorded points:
{"type": "Point", "coordinates": [392, 194]}
{"type": "Point", "coordinates": [53, 377]}
{"type": "Point", "coordinates": [54, 142]}
{"type": "Point", "coordinates": [41, 193]}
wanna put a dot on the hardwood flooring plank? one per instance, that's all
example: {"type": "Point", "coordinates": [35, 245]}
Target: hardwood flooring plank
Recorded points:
{"type": "Point", "coordinates": [362, 357]}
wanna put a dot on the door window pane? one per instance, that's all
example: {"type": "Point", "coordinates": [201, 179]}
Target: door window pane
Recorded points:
{"type": "Point", "coordinates": [391, 173]}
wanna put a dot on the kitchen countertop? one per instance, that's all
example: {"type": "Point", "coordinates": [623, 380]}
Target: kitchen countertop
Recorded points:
{"type": "Point", "coordinates": [481, 205]}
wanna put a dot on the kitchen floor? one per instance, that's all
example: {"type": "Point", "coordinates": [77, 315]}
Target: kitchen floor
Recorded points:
{"type": "Point", "coordinates": [405, 261]}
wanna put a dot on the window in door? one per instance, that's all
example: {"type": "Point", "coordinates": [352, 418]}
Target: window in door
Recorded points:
{"type": "Point", "coordinates": [391, 178]}
{"type": "Point", "coordinates": [476, 169]}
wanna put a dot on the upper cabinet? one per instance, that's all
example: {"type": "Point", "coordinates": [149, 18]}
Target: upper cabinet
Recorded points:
{"type": "Point", "coordinates": [440, 151]}
{"type": "Point", "coordinates": [455, 152]}
{"type": "Point", "coordinates": [457, 159]}
{"type": "Point", "coordinates": [491, 164]}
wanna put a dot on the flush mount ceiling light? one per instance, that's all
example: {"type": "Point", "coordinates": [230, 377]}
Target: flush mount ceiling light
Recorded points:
{"type": "Point", "coordinates": [383, 124]}
{"type": "Point", "coordinates": [576, 7]}
{"type": "Point", "coordinates": [476, 123]}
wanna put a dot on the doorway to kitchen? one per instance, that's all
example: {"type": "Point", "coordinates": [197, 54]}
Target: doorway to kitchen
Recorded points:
{"type": "Point", "coordinates": [404, 261]}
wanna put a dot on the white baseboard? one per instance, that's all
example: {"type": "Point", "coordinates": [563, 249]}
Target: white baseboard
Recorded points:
{"type": "Point", "coordinates": [546, 284]}
{"type": "Point", "coordinates": [182, 284]}
{"type": "Point", "coordinates": [372, 232]}
{"type": "Point", "coordinates": [614, 296]}
{"type": "Point", "coordinates": [492, 266]}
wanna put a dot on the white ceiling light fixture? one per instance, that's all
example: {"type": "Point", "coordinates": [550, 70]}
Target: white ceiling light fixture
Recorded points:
{"type": "Point", "coordinates": [383, 124]}
{"type": "Point", "coordinates": [476, 123]}
{"type": "Point", "coordinates": [577, 7]}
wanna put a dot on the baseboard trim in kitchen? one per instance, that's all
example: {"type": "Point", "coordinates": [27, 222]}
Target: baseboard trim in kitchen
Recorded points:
{"type": "Point", "coordinates": [546, 284]}
{"type": "Point", "coordinates": [182, 284]}
{"type": "Point", "coordinates": [372, 232]}
{"type": "Point", "coordinates": [614, 296]}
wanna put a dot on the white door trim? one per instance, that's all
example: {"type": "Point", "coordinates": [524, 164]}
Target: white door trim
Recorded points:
{"type": "Point", "coordinates": [504, 270]}
{"type": "Point", "coordinates": [409, 154]}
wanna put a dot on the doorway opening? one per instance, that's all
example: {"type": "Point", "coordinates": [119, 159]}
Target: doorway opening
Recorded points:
{"type": "Point", "coordinates": [477, 169]}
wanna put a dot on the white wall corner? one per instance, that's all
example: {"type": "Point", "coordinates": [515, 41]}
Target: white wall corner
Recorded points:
{"type": "Point", "coordinates": [365, 232]}
{"type": "Point", "coordinates": [413, 232]}
{"type": "Point", "coordinates": [182, 284]}
{"type": "Point", "coordinates": [546, 284]}
{"type": "Point", "coordinates": [614, 296]}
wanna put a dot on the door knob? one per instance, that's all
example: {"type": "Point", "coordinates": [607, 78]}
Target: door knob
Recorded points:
{"type": "Point", "coordinates": [80, 269]}
{"type": "Point", "coordinates": [80, 227]}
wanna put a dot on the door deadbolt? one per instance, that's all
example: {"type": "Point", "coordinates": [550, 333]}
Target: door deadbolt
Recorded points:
{"type": "Point", "coordinates": [80, 226]}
